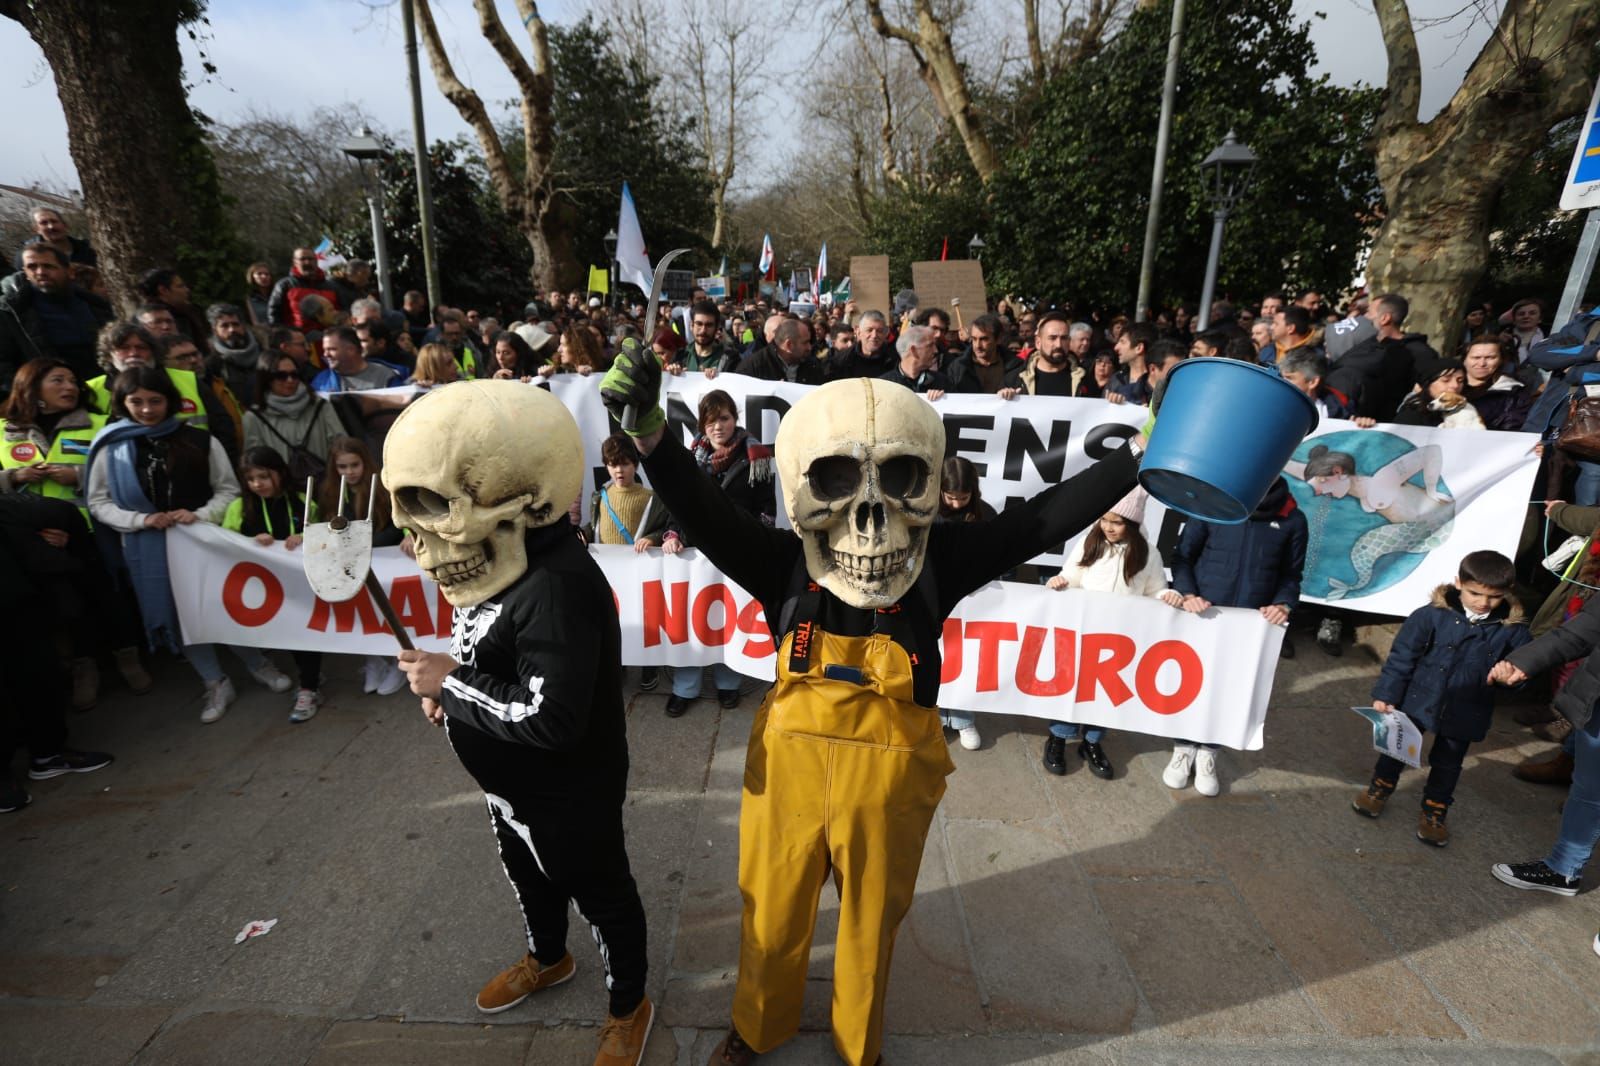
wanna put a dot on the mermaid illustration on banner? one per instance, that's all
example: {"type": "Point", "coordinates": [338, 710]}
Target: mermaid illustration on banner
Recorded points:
{"type": "Point", "coordinates": [1417, 518]}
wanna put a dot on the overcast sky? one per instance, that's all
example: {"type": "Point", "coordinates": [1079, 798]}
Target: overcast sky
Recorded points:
{"type": "Point", "coordinates": [269, 56]}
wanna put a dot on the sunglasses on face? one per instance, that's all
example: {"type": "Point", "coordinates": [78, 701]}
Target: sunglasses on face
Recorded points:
{"type": "Point", "coordinates": [285, 375]}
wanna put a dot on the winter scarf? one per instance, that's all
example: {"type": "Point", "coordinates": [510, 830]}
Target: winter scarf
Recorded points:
{"type": "Point", "coordinates": [244, 358]}
{"type": "Point", "coordinates": [714, 460]}
{"type": "Point", "coordinates": [290, 406]}
{"type": "Point", "coordinates": [144, 552]}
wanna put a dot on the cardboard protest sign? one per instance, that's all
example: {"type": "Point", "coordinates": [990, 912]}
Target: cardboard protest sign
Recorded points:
{"type": "Point", "coordinates": [869, 278]}
{"type": "Point", "coordinates": [940, 282]}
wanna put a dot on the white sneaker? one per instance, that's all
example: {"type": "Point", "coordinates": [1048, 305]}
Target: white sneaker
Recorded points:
{"type": "Point", "coordinates": [371, 673]}
{"type": "Point", "coordinates": [306, 702]}
{"type": "Point", "coordinates": [1176, 775]}
{"type": "Point", "coordinates": [273, 678]}
{"type": "Point", "coordinates": [1597, 943]}
{"type": "Point", "coordinates": [1205, 772]}
{"type": "Point", "coordinates": [971, 739]}
{"type": "Point", "coordinates": [218, 695]}
{"type": "Point", "coordinates": [392, 680]}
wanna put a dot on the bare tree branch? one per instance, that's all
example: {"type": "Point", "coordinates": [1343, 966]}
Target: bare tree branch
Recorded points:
{"type": "Point", "coordinates": [472, 112]}
{"type": "Point", "coordinates": [1405, 65]}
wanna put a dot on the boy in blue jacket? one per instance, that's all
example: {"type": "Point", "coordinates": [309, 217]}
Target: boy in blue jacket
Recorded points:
{"type": "Point", "coordinates": [1256, 564]}
{"type": "Point", "coordinates": [1437, 674]}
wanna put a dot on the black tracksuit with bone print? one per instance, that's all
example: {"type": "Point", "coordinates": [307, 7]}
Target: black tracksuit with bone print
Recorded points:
{"type": "Point", "coordinates": [535, 714]}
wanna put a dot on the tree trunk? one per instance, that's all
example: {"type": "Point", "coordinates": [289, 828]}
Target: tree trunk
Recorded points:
{"type": "Point", "coordinates": [1441, 178]}
{"type": "Point", "coordinates": [719, 214]}
{"type": "Point", "coordinates": [148, 179]}
{"type": "Point", "coordinates": [528, 198]}
{"type": "Point", "coordinates": [945, 78]}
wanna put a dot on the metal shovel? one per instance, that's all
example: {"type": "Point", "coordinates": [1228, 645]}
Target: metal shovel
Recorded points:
{"type": "Point", "coordinates": [338, 560]}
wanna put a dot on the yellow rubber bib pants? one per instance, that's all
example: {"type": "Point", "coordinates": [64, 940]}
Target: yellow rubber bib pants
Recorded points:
{"type": "Point", "coordinates": [843, 773]}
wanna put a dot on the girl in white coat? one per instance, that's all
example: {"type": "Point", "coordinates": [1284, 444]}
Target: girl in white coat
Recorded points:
{"type": "Point", "coordinates": [1115, 558]}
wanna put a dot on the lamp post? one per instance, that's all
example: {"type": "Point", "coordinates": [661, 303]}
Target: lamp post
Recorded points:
{"type": "Point", "coordinates": [975, 248]}
{"type": "Point", "coordinates": [1226, 171]}
{"type": "Point", "coordinates": [362, 147]}
{"type": "Point", "coordinates": [611, 254]}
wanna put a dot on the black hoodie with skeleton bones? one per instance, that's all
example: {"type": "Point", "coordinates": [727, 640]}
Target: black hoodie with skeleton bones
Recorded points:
{"type": "Point", "coordinates": [540, 675]}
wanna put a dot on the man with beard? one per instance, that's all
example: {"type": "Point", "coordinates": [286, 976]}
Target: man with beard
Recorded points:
{"type": "Point", "coordinates": [235, 351]}
{"type": "Point", "coordinates": [983, 366]}
{"type": "Point", "coordinates": [706, 351]}
{"type": "Point", "coordinates": [1050, 370]}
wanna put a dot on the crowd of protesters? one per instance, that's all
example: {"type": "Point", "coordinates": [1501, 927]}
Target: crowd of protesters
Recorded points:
{"type": "Point", "coordinates": [117, 429]}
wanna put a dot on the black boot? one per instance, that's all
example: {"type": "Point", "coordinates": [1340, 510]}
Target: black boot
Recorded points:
{"type": "Point", "coordinates": [1095, 756]}
{"type": "Point", "coordinates": [1055, 755]}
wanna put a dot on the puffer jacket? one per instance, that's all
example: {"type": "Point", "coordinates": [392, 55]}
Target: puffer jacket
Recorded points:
{"type": "Point", "coordinates": [1504, 404]}
{"type": "Point", "coordinates": [1253, 564]}
{"type": "Point", "coordinates": [1569, 355]}
{"type": "Point", "coordinates": [283, 306]}
{"type": "Point", "coordinates": [1576, 638]}
{"type": "Point", "coordinates": [1437, 668]}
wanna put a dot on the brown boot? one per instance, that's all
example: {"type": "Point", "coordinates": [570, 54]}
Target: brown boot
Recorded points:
{"type": "Point", "coordinates": [522, 980]}
{"type": "Point", "coordinates": [733, 1051]}
{"type": "Point", "coordinates": [1556, 770]}
{"type": "Point", "coordinates": [1430, 824]}
{"type": "Point", "coordinates": [1555, 730]}
{"type": "Point", "coordinates": [134, 675]}
{"type": "Point", "coordinates": [1371, 802]}
{"type": "Point", "coordinates": [622, 1039]}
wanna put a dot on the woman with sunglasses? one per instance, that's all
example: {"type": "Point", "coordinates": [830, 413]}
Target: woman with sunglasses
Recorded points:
{"type": "Point", "coordinates": [289, 418]}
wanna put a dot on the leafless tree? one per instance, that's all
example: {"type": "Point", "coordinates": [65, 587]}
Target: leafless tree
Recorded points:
{"type": "Point", "coordinates": [527, 197]}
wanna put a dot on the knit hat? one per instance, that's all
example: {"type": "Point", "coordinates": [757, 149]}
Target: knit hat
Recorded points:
{"type": "Point", "coordinates": [1131, 506]}
{"type": "Point", "coordinates": [1430, 370]}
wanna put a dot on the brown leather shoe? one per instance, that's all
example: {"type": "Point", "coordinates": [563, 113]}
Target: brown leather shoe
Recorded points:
{"type": "Point", "coordinates": [1430, 824]}
{"type": "Point", "coordinates": [733, 1051]}
{"type": "Point", "coordinates": [1556, 770]}
{"type": "Point", "coordinates": [1371, 802]}
{"type": "Point", "coordinates": [1555, 730]}
{"type": "Point", "coordinates": [522, 980]}
{"type": "Point", "coordinates": [622, 1039]}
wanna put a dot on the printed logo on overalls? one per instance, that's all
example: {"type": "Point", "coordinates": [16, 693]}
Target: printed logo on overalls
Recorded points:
{"type": "Point", "coordinates": [187, 406]}
{"type": "Point", "coordinates": [24, 452]}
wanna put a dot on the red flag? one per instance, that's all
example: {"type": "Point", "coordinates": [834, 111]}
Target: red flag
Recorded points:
{"type": "Point", "coordinates": [944, 253]}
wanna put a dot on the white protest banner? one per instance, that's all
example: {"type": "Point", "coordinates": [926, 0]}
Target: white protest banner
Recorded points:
{"type": "Point", "coordinates": [1393, 509]}
{"type": "Point", "coordinates": [1380, 538]}
{"type": "Point", "coordinates": [1119, 661]}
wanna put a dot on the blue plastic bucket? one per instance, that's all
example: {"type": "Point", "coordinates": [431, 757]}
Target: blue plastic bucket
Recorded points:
{"type": "Point", "coordinates": [1225, 430]}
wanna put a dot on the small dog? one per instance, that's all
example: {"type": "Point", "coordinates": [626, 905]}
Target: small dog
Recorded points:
{"type": "Point", "coordinates": [1456, 412]}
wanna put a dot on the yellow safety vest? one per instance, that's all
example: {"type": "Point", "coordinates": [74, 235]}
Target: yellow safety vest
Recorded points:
{"type": "Point", "coordinates": [191, 408]}
{"type": "Point", "coordinates": [70, 448]}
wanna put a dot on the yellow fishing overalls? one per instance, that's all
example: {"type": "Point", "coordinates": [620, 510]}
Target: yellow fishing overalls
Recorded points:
{"type": "Point", "coordinates": [843, 774]}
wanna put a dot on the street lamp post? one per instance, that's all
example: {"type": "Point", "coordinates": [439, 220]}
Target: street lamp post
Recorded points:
{"type": "Point", "coordinates": [975, 248]}
{"type": "Point", "coordinates": [362, 147]}
{"type": "Point", "coordinates": [1226, 172]}
{"type": "Point", "coordinates": [611, 254]}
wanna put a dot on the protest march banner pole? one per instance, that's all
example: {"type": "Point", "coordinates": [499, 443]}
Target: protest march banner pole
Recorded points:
{"type": "Point", "coordinates": [1582, 190]}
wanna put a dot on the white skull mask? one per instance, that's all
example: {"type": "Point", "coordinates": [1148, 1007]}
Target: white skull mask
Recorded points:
{"type": "Point", "coordinates": [860, 462]}
{"type": "Point", "coordinates": [471, 467]}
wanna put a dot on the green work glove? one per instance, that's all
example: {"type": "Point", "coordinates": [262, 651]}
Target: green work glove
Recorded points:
{"type": "Point", "coordinates": [631, 390]}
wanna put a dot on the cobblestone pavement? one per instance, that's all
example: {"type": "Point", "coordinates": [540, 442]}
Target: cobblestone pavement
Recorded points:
{"type": "Point", "coordinates": [1058, 920]}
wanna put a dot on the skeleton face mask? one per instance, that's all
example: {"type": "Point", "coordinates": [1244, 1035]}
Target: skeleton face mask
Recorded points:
{"type": "Point", "coordinates": [860, 461]}
{"type": "Point", "coordinates": [471, 467]}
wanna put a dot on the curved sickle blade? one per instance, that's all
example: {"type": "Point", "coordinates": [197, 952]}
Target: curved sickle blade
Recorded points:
{"type": "Point", "coordinates": [630, 417]}
{"type": "Point", "coordinates": [655, 293]}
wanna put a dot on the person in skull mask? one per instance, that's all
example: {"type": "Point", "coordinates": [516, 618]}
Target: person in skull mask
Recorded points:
{"type": "Point", "coordinates": [847, 760]}
{"type": "Point", "coordinates": [530, 694]}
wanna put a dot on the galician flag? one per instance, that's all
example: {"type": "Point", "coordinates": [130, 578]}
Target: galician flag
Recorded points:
{"type": "Point", "coordinates": [722, 271]}
{"type": "Point", "coordinates": [822, 270]}
{"type": "Point", "coordinates": [633, 265]}
{"type": "Point", "coordinates": [766, 253]}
